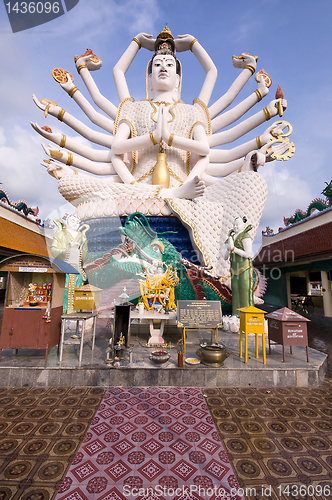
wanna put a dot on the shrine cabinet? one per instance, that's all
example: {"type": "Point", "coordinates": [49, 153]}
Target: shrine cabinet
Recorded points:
{"type": "Point", "coordinates": [33, 302]}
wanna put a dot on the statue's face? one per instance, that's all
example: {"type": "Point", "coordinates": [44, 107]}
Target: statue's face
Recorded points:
{"type": "Point", "coordinates": [238, 225]}
{"type": "Point", "coordinates": [73, 223]}
{"type": "Point", "coordinates": [163, 76]}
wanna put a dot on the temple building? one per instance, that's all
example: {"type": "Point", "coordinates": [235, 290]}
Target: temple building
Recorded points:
{"type": "Point", "coordinates": [297, 261]}
{"type": "Point", "coordinates": [20, 232]}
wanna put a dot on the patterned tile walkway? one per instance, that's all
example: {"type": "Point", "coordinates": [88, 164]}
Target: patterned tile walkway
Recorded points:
{"type": "Point", "coordinates": [53, 440]}
{"type": "Point", "coordinates": [278, 437]}
{"type": "Point", "coordinates": [153, 443]}
{"type": "Point", "coordinates": [40, 432]}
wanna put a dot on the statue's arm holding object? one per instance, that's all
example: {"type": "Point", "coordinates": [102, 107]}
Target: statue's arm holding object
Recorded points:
{"type": "Point", "coordinates": [74, 146]}
{"type": "Point", "coordinates": [247, 63]}
{"type": "Point", "coordinates": [97, 118]}
{"type": "Point", "coordinates": [82, 163]}
{"type": "Point", "coordinates": [234, 114]}
{"type": "Point", "coordinates": [79, 127]}
{"type": "Point", "coordinates": [188, 42]}
{"type": "Point", "coordinates": [245, 126]}
{"type": "Point", "coordinates": [84, 65]}
{"type": "Point", "coordinates": [141, 40]}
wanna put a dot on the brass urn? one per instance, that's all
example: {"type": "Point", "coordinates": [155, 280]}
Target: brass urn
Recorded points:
{"type": "Point", "coordinates": [212, 355]}
{"type": "Point", "coordinates": [160, 174]}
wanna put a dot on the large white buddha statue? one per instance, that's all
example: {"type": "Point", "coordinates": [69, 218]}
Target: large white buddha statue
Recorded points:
{"type": "Point", "coordinates": [162, 157]}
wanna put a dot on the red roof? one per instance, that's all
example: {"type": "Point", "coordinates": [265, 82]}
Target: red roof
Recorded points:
{"type": "Point", "coordinates": [316, 242]}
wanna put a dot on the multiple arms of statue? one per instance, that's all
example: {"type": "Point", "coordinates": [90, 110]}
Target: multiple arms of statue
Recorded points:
{"type": "Point", "coordinates": [74, 146]}
{"type": "Point", "coordinates": [253, 160]}
{"type": "Point", "coordinates": [123, 143]}
{"type": "Point", "coordinates": [242, 128]}
{"type": "Point", "coordinates": [188, 42]}
{"type": "Point", "coordinates": [182, 43]}
{"type": "Point", "coordinates": [79, 127]}
{"type": "Point", "coordinates": [193, 186]}
{"type": "Point", "coordinates": [224, 155]}
{"type": "Point", "coordinates": [248, 64]}
{"type": "Point", "coordinates": [78, 162]}
{"type": "Point", "coordinates": [141, 40]}
{"type": "Point", "coordinates": [235, 113]}
{"type": "Point", "coordinates": [85, 64]}
{"type": "Point", "coordinates": [97, 118]}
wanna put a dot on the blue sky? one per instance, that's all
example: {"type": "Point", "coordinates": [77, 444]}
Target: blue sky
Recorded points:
{"type": "Point", "coordinates": [292, 40]}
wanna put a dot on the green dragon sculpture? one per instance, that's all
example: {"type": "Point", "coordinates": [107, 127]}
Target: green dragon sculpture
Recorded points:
{"type": "Point", "coordinates": [20, 206]}
{"type": "Point", "coordinates": [317, 204]}
{"type": "Point", "coordinates": [141, 246]}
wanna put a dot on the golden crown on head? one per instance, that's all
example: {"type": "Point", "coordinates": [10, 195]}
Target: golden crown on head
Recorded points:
{"type": "Point", "coordinates": [165, 41]}
{"type": "Point", "coordinates": [165, 34]}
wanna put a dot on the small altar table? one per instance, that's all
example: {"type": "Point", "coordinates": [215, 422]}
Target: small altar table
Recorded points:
{"type": "Point", "coordinates": [155, 333]}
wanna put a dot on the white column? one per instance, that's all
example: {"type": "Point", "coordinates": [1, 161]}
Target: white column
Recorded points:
{"type": "Point", "coordinates": [307, 277]}
{"type": "Point", "coordinates": [327, 294]}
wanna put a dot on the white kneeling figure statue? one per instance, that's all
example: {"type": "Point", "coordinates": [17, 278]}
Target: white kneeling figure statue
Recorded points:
{"type": "Point", "coordinates": [205, 186]}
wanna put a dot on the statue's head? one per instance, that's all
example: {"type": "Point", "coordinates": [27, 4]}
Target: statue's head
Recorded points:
{"type": "Point", "coordinates": [239, 224]}
{"type": "Point", "coordinates": [164, 70]}
{"type": "Point", "coordinates": [71, 221]}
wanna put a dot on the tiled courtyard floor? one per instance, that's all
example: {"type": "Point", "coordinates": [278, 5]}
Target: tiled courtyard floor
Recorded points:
{"type": "Point", "coordinates": [271, 438]}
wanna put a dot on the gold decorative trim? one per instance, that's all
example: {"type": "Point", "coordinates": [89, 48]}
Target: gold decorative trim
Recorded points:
{"type": "Point", "coordinates": [63, 141]}
{"type": "Point", "coordinates": [137, 41]}
{"type": "Point", "coordinates": [241, 270]}
{"type": "Point", "coordinates": [56, 154]}
{"type": "Point", "coordinates": [154, 104]}
{"type": "Point", "coordinates": [218, 292]}
{"type": "Point", "coordinates": [117, 118]}
{"type": "Point", "coordinates": [70, 159]}
{"type": "Point", "coordinates": [72, 91]}
{"type": "Point", "coordinates": [203, 105]}
{"type": "Point", "coordinates": [133, 132]}
{"type": "Point", "coordinates": [157, 192]}
{"type": "Point", "coordinates": [170, 140]}
{"type": "Point", "coordinates": [283, 134]}
{"type": "Point", "coordinates": [251, 68]}
{"type": "Point", "coordinates": [173, 174]}
{"type": "Point", "coordinates": [193, 227]}
{"type": "Point", "coordinates": [259, 95]}
{"type": "Point", "coordinates": [192, 43]}
{"type": "Point", "coordinates": [153, 112]}
{"type": "Point", "coordinates": [267, 113]}
{"type": "Point", "coordinates": [171, 112]}
{"type": "Point", "coordinates": [153, 140]}
{"type": "Point", "coordinates": [61, 114]}
{"type": "Point", "coordinates": [81, 66]}
{"type": "Point", "coordinates": [259, 142]}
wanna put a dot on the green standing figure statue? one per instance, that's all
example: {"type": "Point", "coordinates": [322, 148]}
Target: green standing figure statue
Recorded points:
{"type": "Point", "coordinates": [237, 249]}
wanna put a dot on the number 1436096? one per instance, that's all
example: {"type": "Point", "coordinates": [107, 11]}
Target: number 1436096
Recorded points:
{"type": "Point", "coordinates": [33, 7]}
{"type": "Point", "coordinates": [305, 490]}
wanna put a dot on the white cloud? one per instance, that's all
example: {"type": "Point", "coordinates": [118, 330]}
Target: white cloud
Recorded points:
{"type": "Point", "coordinates": [22, 176]}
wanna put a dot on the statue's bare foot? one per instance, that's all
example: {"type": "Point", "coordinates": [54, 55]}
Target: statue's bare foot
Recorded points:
{"type": "Point", "coordinates": [190, 190]}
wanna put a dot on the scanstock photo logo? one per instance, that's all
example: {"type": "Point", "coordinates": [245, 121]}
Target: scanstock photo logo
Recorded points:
{"type": "Point", "coordinates": [25, 15]}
